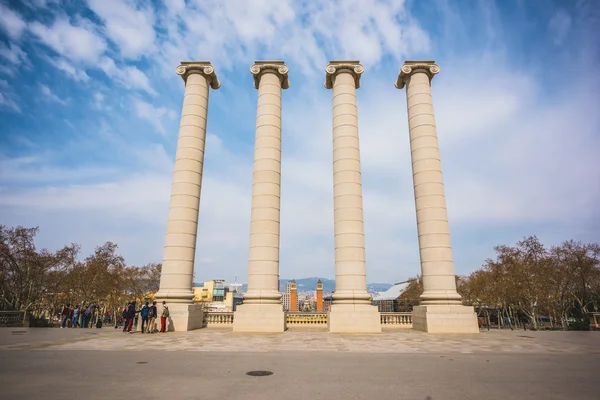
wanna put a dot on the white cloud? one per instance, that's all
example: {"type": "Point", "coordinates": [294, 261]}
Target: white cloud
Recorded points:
{"type": "Point", "coordinates": [16, 57]}
{"type": "Point", "coordinates": [78, 74]}
{"type": "Point", "coordinates": [78, 42]}
{"type": "Point", "coordinates": [129, 27]}
{"type": "Point", "coordinates": [227, 32]}
{"type": "Point", "coordinates": [7, 97]}
{"type": "Point", "coordinates": [6, 102]}
{"type": "Point", "coordinates": [48, 94]}
{"type": "Point", "coordinates": [154, 115]}
{"type": "Point", "coordinates": [128, 76]}
{"type": "Point", "coordinates": [11, 22]}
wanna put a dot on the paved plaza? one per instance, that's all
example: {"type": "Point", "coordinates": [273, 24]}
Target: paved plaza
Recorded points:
{"type": "Point", "coordinates": [212, 364]}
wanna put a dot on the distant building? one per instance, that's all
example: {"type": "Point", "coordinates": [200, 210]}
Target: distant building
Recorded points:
{"type": "Point", "coordinates": [389, 301]}
{"type": "Point", "coordinates": [218, 296]}
{"type": "Point", "coordinates": [290, 299]}
{"type": "Point", "coordinates": [327, 300]}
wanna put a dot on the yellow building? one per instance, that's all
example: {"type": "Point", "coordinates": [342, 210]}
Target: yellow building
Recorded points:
{"type": "Point", "coordinates": [217, 296]}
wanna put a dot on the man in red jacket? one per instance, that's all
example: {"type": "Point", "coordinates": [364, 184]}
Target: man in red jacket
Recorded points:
{"type": "Point", "coordinates": [65, 315]}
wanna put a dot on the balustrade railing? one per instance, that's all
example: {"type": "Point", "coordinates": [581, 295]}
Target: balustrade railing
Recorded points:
{"type": "Point", "coordinates": [397, 319]}
{"type": "Point", "coordinates": [400, 319]}
{"type": "Point", "coordinates": [217, 318]}
{"type": "Point", "coordinates": [306, 318]}
{"type": "Point", "coordinates": [11, 318]}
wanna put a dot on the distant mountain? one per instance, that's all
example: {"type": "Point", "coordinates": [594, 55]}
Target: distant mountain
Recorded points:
{"type": "Point", "coordinates": [310, 284]}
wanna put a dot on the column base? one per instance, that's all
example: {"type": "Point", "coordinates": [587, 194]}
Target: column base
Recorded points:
{"type": "Point", "coordinates": [182, 317]}
{"type": "Point", "coordinates": [263, 318]}
{"type": "Point", "coordinates": [353, 318]}
{"type": "Point", "coordinates": [445, 319]}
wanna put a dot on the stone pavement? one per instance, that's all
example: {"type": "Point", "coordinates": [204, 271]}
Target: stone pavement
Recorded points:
{"type": "Point", "coordinates": [208, 340]}
{"type": "Point", "coordinates": [212, 364]}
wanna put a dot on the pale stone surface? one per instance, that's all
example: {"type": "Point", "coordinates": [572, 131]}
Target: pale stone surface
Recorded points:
{"type": "Point", "coordinates": [343, 77]}
{"type": "Point", "coordinates": [183, 317]}
{"type": "Point", "coordinates": [182, 226]}
{"type": "Point", "coordinates": [350, 318]}
{"type": "Point", "coordinates": [270, 77]}
{"type": "Point", "coordinates": [445, 319]}
{"type": "Point", "coordinates": [435, 249]}
{"type": "Point", "coordinates": [265, 318]}
{"type": "Point", "coordinates": [406, 341]}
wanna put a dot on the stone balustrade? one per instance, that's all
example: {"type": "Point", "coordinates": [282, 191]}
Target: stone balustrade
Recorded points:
{"type": "Point", "coordinates": [388, 319]}
{"type": "Point", "coordinates": [397, 319]}
{"type": "Point", "coordinates": [306, 318]}
{"type": "Point", "coordinates": [217, 318]}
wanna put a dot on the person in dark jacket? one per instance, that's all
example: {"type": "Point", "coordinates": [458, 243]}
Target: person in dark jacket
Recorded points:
{"type": "Point", "coordinates": [144, 312]}
{"type": "Point", "coordinates": [130, 316]}
{"type": "Point", "coordinates": [152, 317]}
{"type": "Point", "coordinates": [87, 315]}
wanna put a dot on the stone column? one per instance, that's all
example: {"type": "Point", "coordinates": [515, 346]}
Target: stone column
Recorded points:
{"type": "Point", "coordinates": [351, 310]}
{"type": "Point", "coordinates": [441, 309]}
{"type": "Point", "coordinates": [262, 310]}
{"type": "Point", "coordinates": [180, 242]}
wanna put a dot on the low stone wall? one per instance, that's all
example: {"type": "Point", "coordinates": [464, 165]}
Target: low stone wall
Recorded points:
{"type": "Point", "coordinates": [396, 320]}
{"type": "Point", "coordinates": [388, 319]}
{"type": "Point", "coordinates": [217, 319]}
{"type": "Point", "coordinates": [306, 318]}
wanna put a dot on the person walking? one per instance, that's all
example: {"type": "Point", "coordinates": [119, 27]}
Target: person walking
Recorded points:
{"type": "Point", "coordinates": [144, 314]}
{"type": "Point", "coordinates": [152, 314]}
{"type": "Point", "coordinates": [65, 315]}
{"type": "Point", "coordinates": [75, 320]}
{"type": "Point", "coordinates": [130, 316]}
{"type": "Point", "coordinates": [163, 317]}
{"type": "Point", "coordinates": [87, 315]}
{"type": "Point", "coordinates": [125, 317]}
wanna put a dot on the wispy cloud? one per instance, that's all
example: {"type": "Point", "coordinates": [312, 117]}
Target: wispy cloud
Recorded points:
{"type": "Point", "coordinates": [129, 27]}
{"type": "Point", "coordinates": [15, 58]}
{"type": "Point", "coordinates": [48, 94]}
{"type": "Point", "coordinates": [154, 115]}
{"type": "Point", "coordinates": [77, 74]}
{"type": "Point", "coordinates": [11, 22]}
{"type": "Point", "coordinates": [78, 42]}
{"type": "Point", "coordinates": [8, 97]}
{"type": "Point", "coordinates": [128, 76]}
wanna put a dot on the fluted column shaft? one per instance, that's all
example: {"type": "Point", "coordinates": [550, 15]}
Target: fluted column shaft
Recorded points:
{"type": "Point", "coordinates": [182, 226]}
{"type": "Point", "coordinates": [263, 263]}
{"type": "Point", "coordinates": [350, 261]}
{"type": "Point", "coordinates": [435, 248]}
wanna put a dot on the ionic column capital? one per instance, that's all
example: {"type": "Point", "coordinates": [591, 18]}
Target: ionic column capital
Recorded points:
{"type": "Point", "coordinates": [336, 67]}
{"type": "Point", "coordinates": [259, 68]}
{"type": "Point", "coordinates": [411, 67]}
{"type": "Point", "coordinates": [205, 68]}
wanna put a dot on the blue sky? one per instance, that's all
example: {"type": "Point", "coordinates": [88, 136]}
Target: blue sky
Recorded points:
{"type": "Point", "coordinates": [90, 102]}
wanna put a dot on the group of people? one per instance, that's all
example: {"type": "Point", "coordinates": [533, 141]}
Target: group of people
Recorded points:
{"type": "Point", "coordinates": [148, 313]}
{"type": "Point", "coordinates": [82, 317]}
{"type": "Point", "coordinates": [75, 317]}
